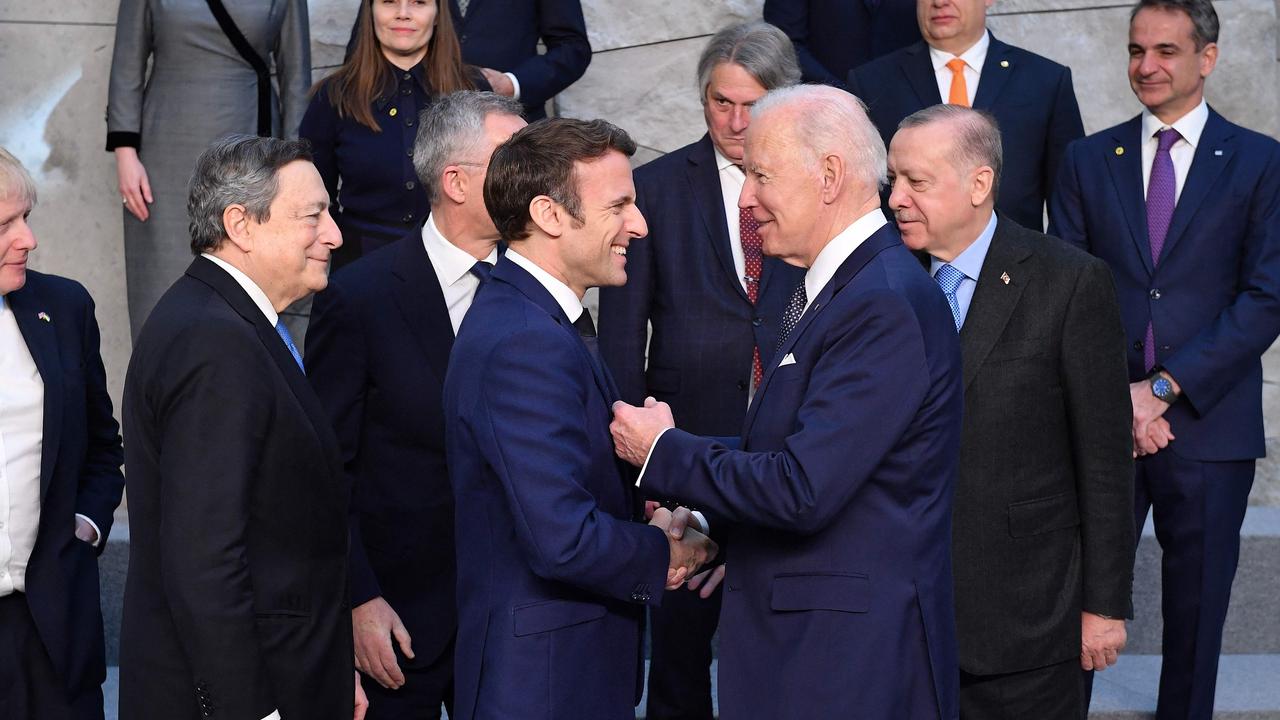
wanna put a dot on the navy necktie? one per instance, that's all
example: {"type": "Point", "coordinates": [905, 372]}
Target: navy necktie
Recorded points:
{"type": "Point", "coordinates": [283, 332]}
{"type": "Point", "coordinates": [795, 308]}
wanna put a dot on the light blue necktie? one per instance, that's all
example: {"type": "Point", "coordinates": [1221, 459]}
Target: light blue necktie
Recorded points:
{"type": "Point", "coordinates": [283, 332]}
{"type": "Point", "coordinates": [949, 279]}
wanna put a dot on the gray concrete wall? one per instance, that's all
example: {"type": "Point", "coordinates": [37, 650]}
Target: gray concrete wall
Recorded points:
{"type": "Point", "coordinates": [54, 60]}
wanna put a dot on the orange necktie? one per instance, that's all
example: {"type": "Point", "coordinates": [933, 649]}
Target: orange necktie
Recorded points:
{"type": "Point", "coordinates": [959, 89]}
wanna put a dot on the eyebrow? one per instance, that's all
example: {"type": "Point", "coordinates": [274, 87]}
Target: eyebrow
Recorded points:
{"type": "Point", "coordinates": [309, 208]}
{"type": "Point", "coordinates": [622, 200]}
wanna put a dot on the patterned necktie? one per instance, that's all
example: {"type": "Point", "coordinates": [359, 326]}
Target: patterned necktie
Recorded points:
{"type": "Point", "coordinates": [795, 308]}
{"type": "Point", "coordinates": [949, 279]}
{"type": "Point", "coordinates": [1161, 188]}
{"type": "Point", "coordinates": [959, 94]}
{"type": "Point", "coordinates": [749, 235]}
{"type": "Point", "coordinates": [283, 332]}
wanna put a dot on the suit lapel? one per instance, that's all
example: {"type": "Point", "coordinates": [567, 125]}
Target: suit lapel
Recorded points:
{"type": "Point", "coordinates": [420, 300]}
{"type": "Point", "coordinates": [1124, 160]}
{"type": "Point", "coordinates": [918, 69]}
{"type": "Point", "coordinates": [996, 70]}
{"type": "Point", "coordinates": [993, 299]}
{"type": "Point", "coordinates": [1211, 157]}
{"type": "Point", "coordinates": [704, 179]}
{"type": "Point", "coordinates": [42, 342]}
{"type": "Point", "coordinates": [226, 286]}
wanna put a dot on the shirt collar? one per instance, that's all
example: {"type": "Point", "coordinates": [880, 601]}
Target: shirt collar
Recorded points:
{"type": "Point", "coordinates": [970, 261]}
{"type": "Point", "coordinates": [255, 293]}
{"type": "Point", "coordinates": [974, 57]}
{"type": "Point", "coordinates": [1189, 126]}
{"type": "Point", "coordinates": [451, 262]}
{"type": "Point", "coordinates": [838, 249]}
{"type": "Point", "coordinates": [564, 297]}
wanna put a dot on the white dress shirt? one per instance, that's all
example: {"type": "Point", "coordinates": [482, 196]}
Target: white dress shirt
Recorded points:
{"type": "Point", "coordinates": [973, 59]}
{"type": "Point", "coordinates": [1190, 127]}
{"type": "Point", "coordinates": [731, 181]}
{"type": "Point", "coordinates": [21, 434]}
{"type": "Point", "coordinates": [453, 270]}
{"type": "Point", "coordinates": [567, 299]}
{"type": "Point", "coordinates": [838, 250]}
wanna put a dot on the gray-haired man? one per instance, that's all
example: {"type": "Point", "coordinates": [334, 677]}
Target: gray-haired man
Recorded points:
{"type": "Point", "coordinates": [377, 350]}
{"type": "Point", "coordinates": [714, 303]}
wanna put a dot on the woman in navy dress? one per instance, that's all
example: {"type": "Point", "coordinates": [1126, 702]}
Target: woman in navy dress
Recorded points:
{"type": "Point", "coordinates": [363, 118]}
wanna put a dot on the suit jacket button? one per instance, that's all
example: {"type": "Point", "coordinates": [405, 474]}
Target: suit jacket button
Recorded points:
{"type": "Point", "coordinates": [742, 384]}
{"type": "Point", "coordinates": [1137, 345]}
{"type": "Point", "coordinates": [757, 322]}
{"type": "Point", "coordinates": [1155, 293]}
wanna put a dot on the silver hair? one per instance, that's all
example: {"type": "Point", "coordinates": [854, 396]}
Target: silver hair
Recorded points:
{"type": "Point", "coordinates": [761, 49]}
{"type": "Point", "coordinates": [236, 170]}
{"type": "Point", "coordinates": [832, 122]}
{"type": "Point", "coordinates": [15, 180]}
{"type": "Point", "coordinates": [975, 142]}
{"type": "Point", "coordinates": [451, 129]}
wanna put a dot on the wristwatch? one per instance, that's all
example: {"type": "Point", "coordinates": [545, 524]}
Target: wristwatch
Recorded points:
{"type": "Point", "coordinates": [1162, 388]}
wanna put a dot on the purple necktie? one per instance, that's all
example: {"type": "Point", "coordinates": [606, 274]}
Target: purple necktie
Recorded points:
{"type": "Point", "coordinates": [1160, 203]}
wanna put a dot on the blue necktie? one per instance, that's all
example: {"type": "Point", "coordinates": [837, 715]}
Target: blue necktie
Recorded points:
{"type": "Point", "coordinates": [949, 280]}
{"type": "Point", "coordinates": [283, 332]}
{"type": "Point", "coordinates": [482, 270]}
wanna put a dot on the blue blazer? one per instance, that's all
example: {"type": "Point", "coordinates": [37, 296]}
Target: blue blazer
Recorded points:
{"type": "Point", "coordinates": [832, 37]}
{"type": "Point", "coordinates": [80, 463]}
{"type": "Point", "coordinates": [839, 594]}
{"type": "Point", "coordinates": [1030, 96]}
{"type": "Point", "coordinates": [681, 278]}
{"type": "Point", "coordinates": [1214, 298]}
{"type": "Point", "coordinates": [377, 349]}
{"type": "Point", "coordinates": [558, 574]}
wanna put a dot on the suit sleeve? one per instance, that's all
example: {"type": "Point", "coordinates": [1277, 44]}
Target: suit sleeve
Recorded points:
{"type": "Point", "coordinates": [792, 18]}
{"type": "Point", "coordinates": [1066, 208]}
{"type": "Point", "coordinates": [320, 128]}
{"type": "Point", "coordinates": [805, 485]}
{"type": "Point", "coordinates": [1096, 383]}
{"type": "Point", "coordinates": [337, 369]}
{"type": "Point", "coordinates": [1211, 363]}
{"type": "Point", "coordinates": [293, 66]}
{"type": "Point", "coordinates": [215, 410]}
{"type": "Point", "coordinates": [564, 32]}
{"type": "Point", "coordinates": [1065, 128]}
{"type": "Point", "coordinates": [535, 421]}
{"type": "Point", "coordinates": [128, 74]}
{"type": "Point", "coordinates": [101, 483]}
{"type": "Point", "coordinates": [624, 319]}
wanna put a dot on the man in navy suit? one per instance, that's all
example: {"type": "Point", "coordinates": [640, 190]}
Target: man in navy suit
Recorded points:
{"type": "Point", "coordinates": [377, 350]}
{"type": "Point", "coordinates": [60, 479]}
{"type": "Point", "coordinates": [961, 63]}
{"type": "Point", "coordinates": [714, 303]}
{"type": "Point", "coordinates": [839, 595]}
{"type": "Point", "coordinates": [1185, 208]}
{"type": "Point", "coordinates": [833, 37]}
{"type": "Point", "coordinates": [557, 571]}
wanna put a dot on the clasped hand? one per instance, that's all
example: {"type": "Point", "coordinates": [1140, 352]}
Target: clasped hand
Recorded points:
{"type": "Point", "coordinates": [690, 549]}
{"type": "Point", "coordinates": [635, 429]}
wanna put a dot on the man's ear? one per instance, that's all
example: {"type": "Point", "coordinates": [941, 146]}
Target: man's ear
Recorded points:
{"type": "Point", "coordinates": [238, 226]}
{"type": "Point", "coordinates": [833, 178]}
{"type": "Point", "coordinates": [981, 184]}
{"type": "Point", "coordinates": [455, 183]}
{"type": "Point", "coordinates": [549, 215]}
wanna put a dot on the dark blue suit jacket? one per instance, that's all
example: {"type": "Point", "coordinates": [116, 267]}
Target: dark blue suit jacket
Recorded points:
{"type": "Point", "coordinates": [682, 279]}
{"type": "Point", "coordinates": [80, 463]}
{"type": "Point", "coordinates": [1214, 298]}
{"type": "Point", "coordinates": [557, 573]}
{"type": "Point", "coordinates": [839, 598]}
{"type": "Point", "coordinates": [1030, 96]}
{"type": "Point", "coordinates": [377, 349]}
{"type": "Point", "coordinates": [833, 37]}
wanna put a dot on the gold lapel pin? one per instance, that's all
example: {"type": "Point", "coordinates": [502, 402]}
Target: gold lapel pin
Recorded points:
{"type": "Point", "coordinates": [1119, 151]}
{"type": "Point", "coordinates": [392, 113]}
{"type": "Point", "coordinates": [43, 316]}
{"type": "Point", "coordinates": [1004, 277]}
{"type": "Point", "coordinates": [1004, 63]}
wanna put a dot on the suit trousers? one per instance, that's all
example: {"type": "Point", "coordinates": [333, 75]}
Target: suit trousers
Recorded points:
{"type": "Point", "coordinates": [1198, 508]}
{"type": "Point", "coordinates": [680, 655]}
{"type": "Point", "coordinates": [30, 688]}
{"type": "Point", "coordinates": [1055, 692]}
{"type": "Point", "coordinates": [427, 686]}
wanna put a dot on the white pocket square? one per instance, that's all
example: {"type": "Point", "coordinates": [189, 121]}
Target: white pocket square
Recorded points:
{"type": "Point", "coordinates": [788, 359]}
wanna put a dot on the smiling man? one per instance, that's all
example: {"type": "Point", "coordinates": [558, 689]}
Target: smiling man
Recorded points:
{"type": "Point", "coordinates": [236, 603]}
{"type": "Point", "coordinates": [1185, 208]}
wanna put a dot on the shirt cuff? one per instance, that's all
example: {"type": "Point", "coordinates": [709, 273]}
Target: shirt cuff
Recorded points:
{"type": "Point", "coordinates": [646, 459]}
{"type": "Point", "coordinates": [706, 526]}
{"type": "Point", "coordinates": [515, 84]}
{"type": "Point", "coordinates": [96, 530]}
{"type": "Point", "coordinates": [275, 715]}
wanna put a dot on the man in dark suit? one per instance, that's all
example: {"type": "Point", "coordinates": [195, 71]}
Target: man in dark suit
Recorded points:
{"type": "Point", "coordinates": [236, 604]}
{"type": "Point", "coordinates": [501, 37]}
{"type": "Point", "coordinates": [377, 350]}
{"type": "Point", "coordinates": [714, 303]}
{"type": "Point", "coordinates": [833, 37]}
{"type": "Point", "coordinates": [558, 572]}
{"type": "Point", "coordinates": [60, 478]}
{"type": "Point", "coordinates": [961, 63]}
{"type": "Point", "coordinates": [839, 594]}
{"type": "Point", "coordinates": [1043, 527]}
{"type": "Point", "coordinates": [1185, 208]}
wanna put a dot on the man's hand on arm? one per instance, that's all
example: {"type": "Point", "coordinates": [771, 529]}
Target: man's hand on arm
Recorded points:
{"type": "Point", "coordinates": [635, 429]}
{"type": "Point", "coordinates": [499, 81]}
{"type": "Point", "coordinates": [1101, 640]}
{"type": "Point", "coordinates": [374, 624]}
